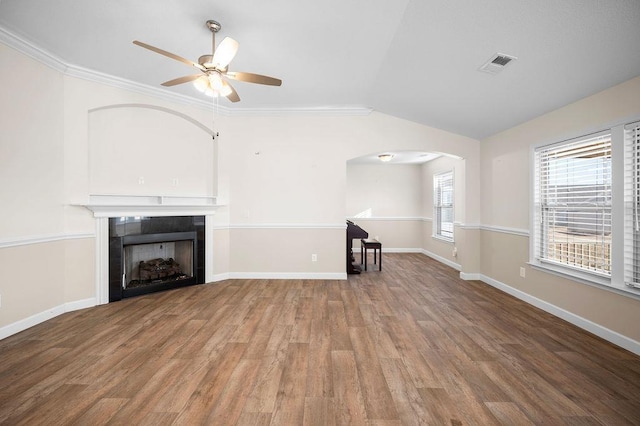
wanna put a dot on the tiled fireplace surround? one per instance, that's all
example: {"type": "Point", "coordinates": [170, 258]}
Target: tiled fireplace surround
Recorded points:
{"type": "Point", "coordinates": [151, 235]}
{"type": "Point", "coordinates": [162, 214]}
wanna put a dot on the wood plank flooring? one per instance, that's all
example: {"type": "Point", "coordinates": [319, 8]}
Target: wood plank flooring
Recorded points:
{"type": "Point", "coordinates": [410, 345]}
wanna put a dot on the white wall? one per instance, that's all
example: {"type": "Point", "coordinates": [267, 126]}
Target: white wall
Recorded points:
{"type": "Point", "coordinates": [386, 201]}
{"type": "Point", "coordinates": [384, 190]}
{"type": "Point", "coordinates": [290, 172]}
{"type": "Point", "coordinates": [282, 179]}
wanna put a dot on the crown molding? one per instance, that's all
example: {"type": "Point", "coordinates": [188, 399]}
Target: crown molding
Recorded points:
{"type": "Point", "coordinates": [31, 50]}
{"type": "Point", "coordinates": [37, 53]}
{"type": "Point", "coordinates": [328, 110]}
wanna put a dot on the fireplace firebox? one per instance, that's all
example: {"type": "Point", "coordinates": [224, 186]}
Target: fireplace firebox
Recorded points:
{"type": "Point", "coordinates": [149, 254]}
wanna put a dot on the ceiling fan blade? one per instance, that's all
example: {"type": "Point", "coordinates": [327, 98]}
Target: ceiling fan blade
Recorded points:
{"type": "Point", "coordinates": [254, 78]}
{"type": "Point", "coordinates": [181, 80]}
{"type": "Point", "coordinates": [225, 52]}
{"type": "Point", "coordinates": [168, 54]}
{"type": "Point", "coordinates": [232, 95]}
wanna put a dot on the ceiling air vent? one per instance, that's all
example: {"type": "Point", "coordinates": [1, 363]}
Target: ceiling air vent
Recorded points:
{"type": "Point", "coordinates": [496, 63]}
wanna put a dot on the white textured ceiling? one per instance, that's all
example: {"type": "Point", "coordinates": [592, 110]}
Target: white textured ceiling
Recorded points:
{"type": "Point", "coordinates": [415, 59]}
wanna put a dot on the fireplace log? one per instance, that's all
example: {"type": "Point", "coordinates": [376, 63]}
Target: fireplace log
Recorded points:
{"type": "Point", "coordinates": [158, 268]}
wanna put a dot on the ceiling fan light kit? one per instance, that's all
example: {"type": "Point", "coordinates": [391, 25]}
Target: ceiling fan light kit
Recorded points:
{"type": "Point", "coordinates": [213, 80]}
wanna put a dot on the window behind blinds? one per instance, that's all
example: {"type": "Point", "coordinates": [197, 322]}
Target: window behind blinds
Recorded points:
{"type": "Point", "coordinates": [443, 205]}
{"type": "Point", "coordinates": [573, 204]}
{"type": "Point", "coordinates": [632, 205]}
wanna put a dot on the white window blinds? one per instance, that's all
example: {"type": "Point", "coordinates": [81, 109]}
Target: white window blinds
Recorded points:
{"type": "Point", "coordinates": [632, 205]}
{"type": "Point", "coordinates": [572, 201]}
{"type": "Point", "coordinates": [443, 205]}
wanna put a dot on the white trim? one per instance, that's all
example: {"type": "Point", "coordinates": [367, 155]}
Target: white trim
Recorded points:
{"type": "Point", "coordinates": [443, 239]}
{"type": "Point", "coordinates": [588, 325]}
{"type": "Point", "coordinates": [441, 259]}
{"type": "Point", "coordinates": [37, 53]}
{"type": "Point", "coordinates": [326, 110]}
{"type": "Point", "coordinates": [33, 320]}
{"type": "Point", "coordinates": [505, 230]}
{"type": "Point", "coordinates": [341, 226]}
{"type": "Point", "coordinates": [187, 118]}
{"type": "Point", "coordinates": [39, 239]}
{"type": "Point", "coordinates": [388, 218]}
{"type": "Point", "coordinates": [107, 205]}
{"type": "Point", "coordinates": [401, 250]}
{"type": "Point", "coordinates": [468, 226]}
{"type": "Point", "coordinates": [31, 50]}
{"type": "Point", "coordinates": [287, 275]}
{"type": "Point", "coordinates": [219, 277]}
{"type": "Point", "coordinates": [102, 261]}
{"type": "Point", "coordinates": [80, 304]}
{"type": "Point", "coordinates": [209, 251]}
{"type": "Point", "coordinates": [118, 211]}
{"type": "Point", "coordinates": [470, 276]}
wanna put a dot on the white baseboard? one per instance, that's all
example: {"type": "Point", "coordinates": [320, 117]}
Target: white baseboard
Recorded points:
{"type": "Point", "coordinates": [18, 326]}
{"type": "Point", "coordinates": [288, 275]}
{"type": "Point", "coordinates": [590, 326]}
{"type": "Point", "coordinates": [401, 250]}
{"type": "Point", "coordinates": [219, 277]}
{"type": "Point", "coordinates": [441, 259]}
{"type": "Point", "coordinates": [470, 276]}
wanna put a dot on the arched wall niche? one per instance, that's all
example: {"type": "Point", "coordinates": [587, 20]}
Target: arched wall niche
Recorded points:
{"type": "Point", "coordinates": [141, 149]}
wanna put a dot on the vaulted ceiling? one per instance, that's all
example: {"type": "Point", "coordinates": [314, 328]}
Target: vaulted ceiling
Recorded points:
{"type": "Point", "coordinates": [415, 59]}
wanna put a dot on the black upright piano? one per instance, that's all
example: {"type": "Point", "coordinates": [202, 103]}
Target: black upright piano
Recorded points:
{"type": "Point", "coordinates": [353, 231]}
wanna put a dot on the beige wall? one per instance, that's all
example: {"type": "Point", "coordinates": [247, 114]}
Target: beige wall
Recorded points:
{"type": "Point", "coordinates": [32, 190]}
{"type": "Point", "coordinates": [462, 243]}
{"type": "Point", "coordinates": [505, 165]}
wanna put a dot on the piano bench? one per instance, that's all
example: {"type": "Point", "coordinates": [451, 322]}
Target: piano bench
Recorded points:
{"type": "Point", "coordinates": [375, 245]}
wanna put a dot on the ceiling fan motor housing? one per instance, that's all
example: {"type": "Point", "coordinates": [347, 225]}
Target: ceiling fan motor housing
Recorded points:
{"type": "Point", "coordinates": [214, 26]}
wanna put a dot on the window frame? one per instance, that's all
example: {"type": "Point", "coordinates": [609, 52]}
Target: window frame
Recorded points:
{"type": "Point", "coordinates": [615, 282]}
{"type": "Point", "coordinates": [438, 206]}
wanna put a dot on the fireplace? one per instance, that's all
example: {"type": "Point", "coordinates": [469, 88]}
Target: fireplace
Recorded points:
{"type": "Point", "coordinates": [149, 254]}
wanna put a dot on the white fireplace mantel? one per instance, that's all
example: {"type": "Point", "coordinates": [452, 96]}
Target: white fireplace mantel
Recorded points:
{"type": "Point", "coordinates": [107, 206]}
{"type": "Point", "coordinates": [150, 205]}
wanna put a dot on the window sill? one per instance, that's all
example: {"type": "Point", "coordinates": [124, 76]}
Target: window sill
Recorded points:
{"type": "Point", "coordinates": [443, 239]}
{"type": "Point", "coordinates": [593, 280]}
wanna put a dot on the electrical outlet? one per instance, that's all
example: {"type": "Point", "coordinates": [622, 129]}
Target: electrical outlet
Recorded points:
{"type": "Point", "coordinates": [141, 180]}
{"type": "Point", "coordinates": [523, 272]}
{"type": "Point", "coordinates": [0, 301]}
{"type": "Point", "coordinates": [175, 182]}
{"type": "Point", "coordinates": [314, 257]}
{"type": "Point", "coordinates": [455, 252]}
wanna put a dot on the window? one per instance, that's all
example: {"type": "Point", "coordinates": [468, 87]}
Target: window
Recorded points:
{"type": "Point", "coordinates": [632, 205]}
{"type": "Point", "coordinates": [573, 201]}
{"type": "Point", "coordinates": [585, 222]}
{"type": "Point", "coordinates": [443, 205]}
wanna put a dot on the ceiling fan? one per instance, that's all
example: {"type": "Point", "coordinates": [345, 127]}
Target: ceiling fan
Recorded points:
{"type": "Point", "coordinates": [212, 80]}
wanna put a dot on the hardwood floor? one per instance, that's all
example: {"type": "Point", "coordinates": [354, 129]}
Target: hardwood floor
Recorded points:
{"type": "Point", "coordinates": [413, 344]}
